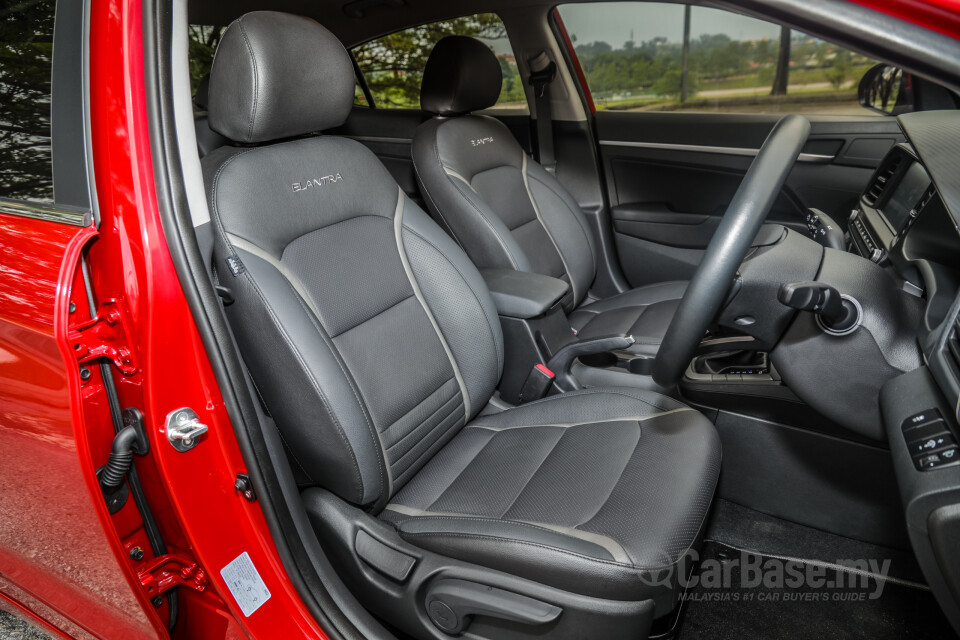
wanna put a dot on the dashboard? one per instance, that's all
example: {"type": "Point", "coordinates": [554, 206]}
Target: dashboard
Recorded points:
{"type": "Point", "coordinates": [907, 221]}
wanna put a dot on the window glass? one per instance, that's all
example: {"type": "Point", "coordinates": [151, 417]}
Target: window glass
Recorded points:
{"type": "Point", "coordinates": [26, 57]}
{"type": "Point", "coordinates": [633, 53]}
{"type": "Point", "coordinates": [392, 66]}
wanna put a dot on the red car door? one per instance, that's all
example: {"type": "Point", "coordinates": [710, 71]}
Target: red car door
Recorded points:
{"type": "Point", "coordinates": [94, 327]}
{"type": "Point", "coordinates": [56, 564]}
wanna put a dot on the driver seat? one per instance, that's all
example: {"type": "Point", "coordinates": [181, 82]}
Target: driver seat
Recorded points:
{"type": "Point", "coordinates": [507, 211]}
{"type": "Point", "coordinates": [376, 348]}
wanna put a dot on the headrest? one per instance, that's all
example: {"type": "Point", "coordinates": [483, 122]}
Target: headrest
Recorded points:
{"type": "Point", "coordinates": [462, 75]}
{"type": "Point", "coordinates": [277, 75]}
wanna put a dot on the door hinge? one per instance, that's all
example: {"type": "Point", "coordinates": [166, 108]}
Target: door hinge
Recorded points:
{"type": "Point", "coordinates": [105, 336]}
{"type": "Point", "coordinates": [171, 570]}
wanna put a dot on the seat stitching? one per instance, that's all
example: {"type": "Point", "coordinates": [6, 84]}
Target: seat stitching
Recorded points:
{"type": "Point", "coordinates": [584, 230]}
{"type": "Point", "coordinates": [439, 422]}
{"type": "Point", "coordinates": [417, 406]}
{"type": "Point", "coordinates": [356, 394]}
{"type": "Point", "coordinates": [533, 475]}
{"type": "Point", "coordinates": [415, 283]}
{"type": "Point", "coordinates": [493, 334]}
{"type": "Point", "coordinates": [313, 382]}
{"type": "Point", "coordinates": [446, 430]}
{"type": "Point", "coordinates": [489, 224]}
{"type": "Point", "coordinates": [536, 210]}
{"type": "Point", "coordinates": [465, 467]}
{"type": "Point", "coordinates": [373, 317]}
{"type": "Point", "coordinates": [251, 121]}
{"type": "Point", "coordinates": [431, 203]}
{"type": "Point", "coordinates": [586, 392]}
{"type": "Point", "coordinates": [567, 425]}
{"type": "Point", "coordinates": [480, 536]}
{"type": "Point", "coordinates": [443, 169]}
{"type": "Point", "coordinates": [520, 523]}
{"type": "Point", "coordinates": [293, 455]}
{"type": "Point", "coordinates": [617, 483]}
{"type": "Point", "coordinates": [256, 288]}
{"type": "Point", "coordinates": [311, 315]}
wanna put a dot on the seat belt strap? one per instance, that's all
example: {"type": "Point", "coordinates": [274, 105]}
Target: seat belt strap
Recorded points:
{"type": "Point", "coordinates": [543, 71]}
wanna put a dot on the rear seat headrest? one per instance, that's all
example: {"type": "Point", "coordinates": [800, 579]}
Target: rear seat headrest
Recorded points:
{"type": "Point", "coordinates": [462, 75]}
{"type": "Point", "coordinates": [276, 75]}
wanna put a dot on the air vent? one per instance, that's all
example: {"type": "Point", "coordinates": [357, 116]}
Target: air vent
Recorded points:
{"type": "Point", "coordinates": [925, 199]}
{"type": "Point", "coordinates": [882, 179]}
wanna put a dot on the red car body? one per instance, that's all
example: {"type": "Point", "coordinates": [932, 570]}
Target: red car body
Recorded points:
{"type": "Point", "coordinates": [65, 561]}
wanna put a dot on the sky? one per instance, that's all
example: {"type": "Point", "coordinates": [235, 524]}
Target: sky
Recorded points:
{"type": "Point", "coordinates": [613, 23]}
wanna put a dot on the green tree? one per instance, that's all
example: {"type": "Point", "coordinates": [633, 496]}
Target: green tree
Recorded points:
{"type": "Point", "coordinates": [837, 73]}
{"type": "Point", "coordinates": [203, 43]}
{"type": "Point", "coordinates": [26, 55]}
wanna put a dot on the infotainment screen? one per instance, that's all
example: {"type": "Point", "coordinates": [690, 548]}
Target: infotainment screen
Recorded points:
{"type": "Point", "coordinates": [905, 196]}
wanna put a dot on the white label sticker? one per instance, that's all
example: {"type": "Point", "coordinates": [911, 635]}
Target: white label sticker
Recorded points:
{"type": "Point", "coordinates": [245, 584]}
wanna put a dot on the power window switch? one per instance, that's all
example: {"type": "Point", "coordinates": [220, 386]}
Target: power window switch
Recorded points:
{"type": "Point", "coordinates": [920, 419]}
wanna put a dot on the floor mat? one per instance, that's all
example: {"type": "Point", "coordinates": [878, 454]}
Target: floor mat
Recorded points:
{"type": "Point", "coordinates": [745, 528]}
{"type": "Point", "coordinates": [741, 595]}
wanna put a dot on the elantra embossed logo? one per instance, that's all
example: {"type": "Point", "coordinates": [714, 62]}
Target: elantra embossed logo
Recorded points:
{"type": "Point", "coordinates": [316, 182]}
{"type": "Point", "coordinates": [479, 142]}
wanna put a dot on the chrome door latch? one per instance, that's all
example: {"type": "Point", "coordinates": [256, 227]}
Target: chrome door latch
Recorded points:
{"type": "Point", "coordinates": [184, 429]}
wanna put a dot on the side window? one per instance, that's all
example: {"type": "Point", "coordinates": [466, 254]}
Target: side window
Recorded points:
{"type": "Point", "coordinates": [26, 58]}
{"type": "Point", "coordinates": [652, 56]}
{"type": "Point", "coordinates": [392, 66]}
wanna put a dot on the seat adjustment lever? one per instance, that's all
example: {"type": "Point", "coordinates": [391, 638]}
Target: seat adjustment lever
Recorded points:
{"type": "Point", "coordinates": [451, 604]}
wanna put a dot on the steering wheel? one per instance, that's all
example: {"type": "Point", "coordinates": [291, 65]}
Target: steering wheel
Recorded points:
{"type": "Point", "coordinates": [742, 221]}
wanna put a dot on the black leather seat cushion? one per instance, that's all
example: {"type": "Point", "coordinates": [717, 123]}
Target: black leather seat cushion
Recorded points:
{"type": "Point", "coordinates": [599, 492]}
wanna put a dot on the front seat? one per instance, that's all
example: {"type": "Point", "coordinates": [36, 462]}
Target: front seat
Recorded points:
{"type": "Point", "coordinates": [375, 345]}
{"type": "Point", "coordinates": [505, 210]}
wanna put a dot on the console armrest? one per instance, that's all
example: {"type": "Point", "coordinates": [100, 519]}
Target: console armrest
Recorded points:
{"type": "Point", "coordinates": [519, 294]}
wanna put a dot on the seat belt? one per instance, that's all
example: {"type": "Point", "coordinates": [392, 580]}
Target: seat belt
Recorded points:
{"type": "Point", "coordinates": [543, 71]}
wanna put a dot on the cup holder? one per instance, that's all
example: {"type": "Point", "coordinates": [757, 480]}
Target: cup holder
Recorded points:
{"type": "Point", "coordinates": [600, 360]}
{"type": "Point", "coordinates": [636, 365]}
{"type": "Point", "coordinates": [640, 366]}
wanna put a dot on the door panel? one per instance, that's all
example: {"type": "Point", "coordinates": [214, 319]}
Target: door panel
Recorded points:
{"type": "Point", "coordinates": [670, 176]}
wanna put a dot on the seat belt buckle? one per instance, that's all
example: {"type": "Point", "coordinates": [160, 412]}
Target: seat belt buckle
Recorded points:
{"type": "Point", "coordinates": [538, 384]}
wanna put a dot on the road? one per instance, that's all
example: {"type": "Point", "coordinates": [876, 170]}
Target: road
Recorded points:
{"type": "Point", "coordinates": [13, 628]}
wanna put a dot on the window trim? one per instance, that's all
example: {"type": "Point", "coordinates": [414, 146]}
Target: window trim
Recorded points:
{"type": "Point", "coordinates": [63, 214]}
{"type": "Point", "coordinates": [69, 114]}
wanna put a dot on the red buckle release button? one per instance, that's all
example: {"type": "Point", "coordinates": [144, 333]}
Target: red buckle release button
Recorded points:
{"type": "Point", "coordinates": [543, 369]}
